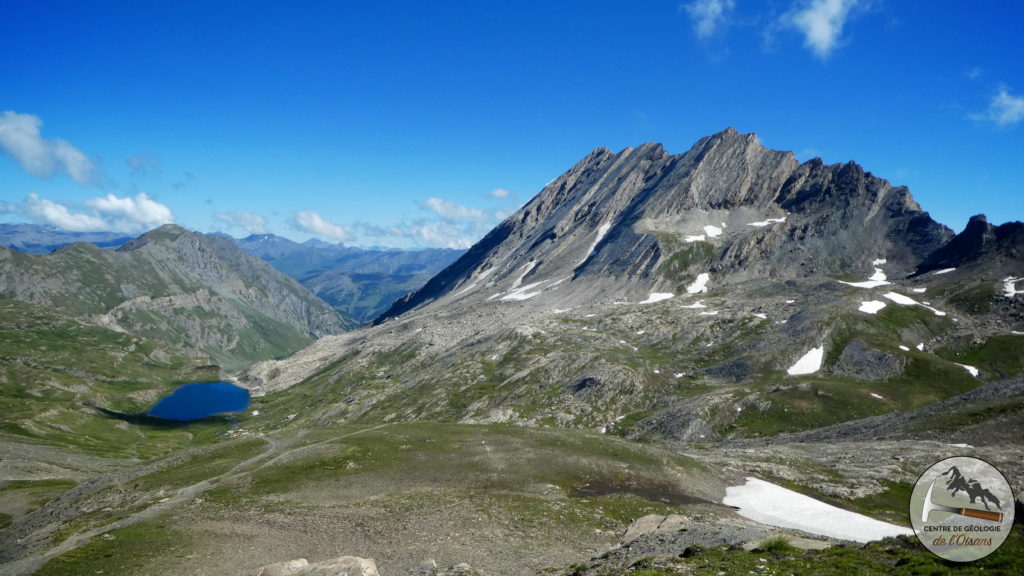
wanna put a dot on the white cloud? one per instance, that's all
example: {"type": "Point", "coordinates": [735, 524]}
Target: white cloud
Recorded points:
{"type": "Point", "coordinates": [20, 139]}
{"type": "Point", "coordinates": [251, 222]}
{"type": "Point", "coordinates": [48, 212]}
{"type": "Point", "coordinates": [131, 214]}
{"type": "Point", "coordinates": [709, 15]}
{"type": "Point", "coordinates": [108, 213]}
{"type": "Point", "coordinates": [1005, 109]}
{"type": "Point", "coordinates": [499, 193]}
{"type": "Point", "coordinates": [821, 22]}
{"type": "Point", "coordinates": [451, 212]}
{"type": "Point", "coordinates": [438, 235]}
{"type": "Point", "coordinates": [310, 221]}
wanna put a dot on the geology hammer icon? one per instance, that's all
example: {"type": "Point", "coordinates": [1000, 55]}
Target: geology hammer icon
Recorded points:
{"type": "Point", "coordinates": [930, 506]}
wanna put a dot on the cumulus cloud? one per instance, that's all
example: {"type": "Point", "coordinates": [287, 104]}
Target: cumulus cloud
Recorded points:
{"type": "Point", "coordinates": [821, 22]}
{"type": "Point", "coordinates": [310, 221]}
{"type": "Point", "coordinates": [1004, 110]}
{"type": "Point", "coordinates": [250, 222]}
{"type": "Point", "coordinates": [20, 139]}
{"type": "Point", "coordinates": [709, 15]}
{"type": "Point", "coordinates": [48, 212]}
{"type": "Point", "coordinates": [429, 234]}
{"type": "Point", "coordinates": [451, 212]}
{"type": "Point", "coordinates": [109, 213]}
{"type": "Point", "coordinates": [138, 213]}
{"type": "Point", "coordinates": [499, 193]}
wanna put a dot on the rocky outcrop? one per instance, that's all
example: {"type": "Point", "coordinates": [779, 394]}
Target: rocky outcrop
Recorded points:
{"type": "Point", "coordinates": [978, 240]}
{"type": "Point", "coordinates": [861, 362]}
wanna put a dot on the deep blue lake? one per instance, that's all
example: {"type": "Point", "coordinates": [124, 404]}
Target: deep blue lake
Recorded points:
{"type": "Point", "coordinates": [195, 401]}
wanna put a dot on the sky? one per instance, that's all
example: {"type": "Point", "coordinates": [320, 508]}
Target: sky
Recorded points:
{"type": "Point", "coordinates": [414, 124]}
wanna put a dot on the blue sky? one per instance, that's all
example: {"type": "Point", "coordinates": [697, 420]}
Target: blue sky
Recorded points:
{"type": "Point", "coordinates": [424, 124]}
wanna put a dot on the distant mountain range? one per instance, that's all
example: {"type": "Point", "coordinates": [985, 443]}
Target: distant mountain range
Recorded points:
{"type": "Point", "coordinates": [359, 283]}
{"type": "Point", "coordinates": [36, 239]}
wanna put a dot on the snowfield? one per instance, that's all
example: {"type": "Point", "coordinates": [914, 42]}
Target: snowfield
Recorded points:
{"type": "Point", "coordinates": [808, 363]}
{"type": "Point", "coordinates": [874, 281]}
{"type": "Point", "coordinates": [700, 284]}
{"type": "Point", "coordinates": [1010, 288]}
{"type": "Point", "coordinates": [871, 307]}
{"type": "Point", "coordinates": [908, 301]}
{"type": "Point", "coordinates": [767, 503]}
{"type": "Point", "coordinates": [764, 223]}
{"type": "Point", "coordinates": [712, 231]}
{"type": "Point", "coordinates": [971, 369]}
{"type": "Point", "coordinates": [657, 297]}
{"type": "Point", "coordinates": [600, 236]}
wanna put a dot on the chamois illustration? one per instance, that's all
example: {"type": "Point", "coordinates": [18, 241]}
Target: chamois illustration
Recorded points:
{"type": "Point", "coordinates": [958, 482]}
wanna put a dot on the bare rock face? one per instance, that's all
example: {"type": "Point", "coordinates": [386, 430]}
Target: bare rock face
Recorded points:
{"type": "Point", "coordinates": [651, 221]}
{"type": "Point", "coordinates": [861, 362]}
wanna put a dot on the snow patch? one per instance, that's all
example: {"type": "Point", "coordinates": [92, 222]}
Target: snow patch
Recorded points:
{"type": "Point", "coordinates": [600, 236]}
{"type": "Point", "coordinates": [943, 271]}
{"type": "Point", "coordinates": [921, 346]}
{"type": "Point", "coordinates": [904, 348]}
{"type": "Point", "coordinates": [764, 223]}
{"type": "Point", "coordinates": [760, 315]}
{"type": "Point", "coordinates": [790, 301]}
{"type": "Point", "coordinates": [971, 369]}
{"type": "Point", "coordinates": [874, 281]}
{"type": "Point", "coordinates": [700, 284]}
{"type": "Point", "coordinates": [711, 313]}
{"type": "Point", "coordinates": [695, 305]}
{"type": "Point", "coordinates": [809, 363]}
{"type": "Point", "coordinates": [919, 290]}
{"type": "Point", "coordinates": [657, 297]}
{"type": "Point", "coordinates": [1010, 288]}
{"type": "Point", "coordinates": [873, 395]}
{"type": "Point", "coordinates": [476, 281]}
{"type": "Point", "coordinates": [871, 306]}
{"type": "Point", "coordinates": [960, 445]}
{"type": "Point", "coordinates": [713, 231]}
{"type": "Point", "coordinates": [767, 503]}
{"type": "Point", "coordinates": [1016, 333]}
{"type": "Point", "coordinates": [878, 262]}
{"type": "Point", "coordinates": [700, 238]}
{"type": "Point", "coordinates": [561, 311]}
{"type": "Point", "coordinates": [526, 270]}
{"type": "Point", "coordinates": [523, 292]}
{"type": "Point", "coordinates": [908, 301]}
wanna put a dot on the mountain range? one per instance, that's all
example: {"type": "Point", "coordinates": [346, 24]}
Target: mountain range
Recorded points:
{"type": "Point", "coordinates": [195, 292]}
{"type": "Point", "coordinates": [581, 389]}
{"type": "Point", "coordinates": [677, 296]}
{"type": "Point", "coordinates": [358, 282]}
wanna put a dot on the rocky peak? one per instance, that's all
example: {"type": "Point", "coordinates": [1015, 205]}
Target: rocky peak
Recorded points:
{"type": "Point", "coordinates": [615, 221]}
{"type": "Point", "coordinates": [978, 239]}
